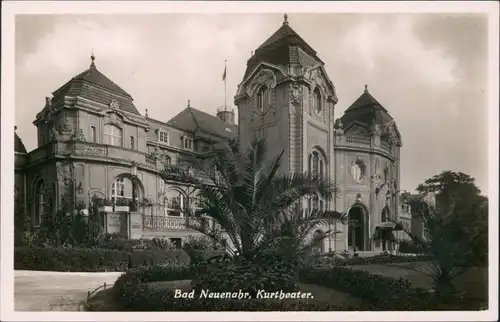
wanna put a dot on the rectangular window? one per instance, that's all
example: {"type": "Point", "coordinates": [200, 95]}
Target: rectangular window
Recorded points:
{"type": "Point", "coordinates": [162, 186]}
{"type": "Point", "coordinates": [113, 135]}
{"type": "Point", "coordinates": [188, 144]}
{"type": "Point", "coordinates": [164, 137]}
{"type": "Point", "coordinates": [132, 142]}
{"type": "Point", "coordinates": [93, 135]}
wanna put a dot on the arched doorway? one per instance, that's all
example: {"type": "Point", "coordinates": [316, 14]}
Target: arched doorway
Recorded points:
{"type": "Point", "coordinates": [357, 233]}
{"type": "Point", "coordinates": [318, 241]}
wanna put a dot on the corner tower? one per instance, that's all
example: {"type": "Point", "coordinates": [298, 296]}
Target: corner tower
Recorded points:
{"type": "Point", "coordinates": [287, 97]}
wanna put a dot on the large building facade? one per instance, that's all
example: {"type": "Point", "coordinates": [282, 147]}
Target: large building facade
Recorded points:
{"type": "Point", "coordinates": [93, 142]}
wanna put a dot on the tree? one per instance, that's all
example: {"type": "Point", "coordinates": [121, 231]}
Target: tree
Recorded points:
{"type": "Point", "coordinates": [455, 228]}
{"type": "Point", "coordinates": [249, 200]}
{"type": "Point", "coordinates": [448, 183]}
{"type": "Point", "coordinates": [459, 189]}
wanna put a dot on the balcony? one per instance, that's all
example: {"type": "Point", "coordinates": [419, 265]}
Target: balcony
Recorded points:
{"type": "Point", "coordinates": [95, 150]}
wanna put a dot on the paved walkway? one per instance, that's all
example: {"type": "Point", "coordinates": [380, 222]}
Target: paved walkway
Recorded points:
{"type": "Point", "coordinates": [55, 291]}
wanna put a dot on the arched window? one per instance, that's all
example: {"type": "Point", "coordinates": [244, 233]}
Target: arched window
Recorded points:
{"type": "Point", "coordinates": [317, 106]}
{"type": "Point", "coordinates": [122, 189]}
{"type": "Point", "coordinates": [39, 199]}
{"type": "Point", "coordinates": [174, 203]}
{"type": "Point", "coordinates": [113, 135]}
{"type": "Point", "coordinates": [263, 98]}
{"type": "Point", "coordinates": [386, 174]}
{"type": "Point", "coordinates": [316, 164]}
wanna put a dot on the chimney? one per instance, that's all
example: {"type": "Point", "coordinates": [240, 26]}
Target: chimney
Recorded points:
{"type": "Point", "coordinates": [48, 101]}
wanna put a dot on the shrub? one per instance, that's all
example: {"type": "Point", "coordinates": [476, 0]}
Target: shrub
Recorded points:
{"type": "Point", "coordinates": [408, 247]}
{"type": "Point", "coordinates": [129, 287]}
{"type": "Point", "coordinates": [92, 259]}
{"type": "Point", "coordinates": [70, 259]}
{"type": "Point", "coordinates": [226, 274]}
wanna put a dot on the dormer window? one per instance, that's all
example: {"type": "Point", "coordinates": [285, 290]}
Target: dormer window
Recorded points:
{"type": "Point", "coordinates": [164, 137]}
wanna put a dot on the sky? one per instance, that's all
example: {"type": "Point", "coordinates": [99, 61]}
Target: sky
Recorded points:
{"type": "Point", "coordinates": [430, 71]}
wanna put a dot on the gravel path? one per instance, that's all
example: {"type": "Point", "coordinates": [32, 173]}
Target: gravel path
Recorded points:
{"type": "Point", "coordinates": [55, 291]}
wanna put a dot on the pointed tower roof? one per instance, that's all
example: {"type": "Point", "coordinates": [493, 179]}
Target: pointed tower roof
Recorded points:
{"type": "Point", "coordinates": [366, 109]}
{"type": "Point", "coordinates": [94, 85]}
{"type": "Point", "coordinates": [285, 34]}
{"type": "Point", "coordinates": [283, 48]}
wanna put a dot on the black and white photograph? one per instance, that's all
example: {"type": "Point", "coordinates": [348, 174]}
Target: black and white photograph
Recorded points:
{"type": "Point", "coordinates": [203, 160]}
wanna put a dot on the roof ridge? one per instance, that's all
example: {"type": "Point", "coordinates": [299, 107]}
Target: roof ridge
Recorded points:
{"type": "Point", "coordinates": [194, 118]}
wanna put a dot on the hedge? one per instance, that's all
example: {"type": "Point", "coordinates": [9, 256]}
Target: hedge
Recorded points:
{"type": "Point", "coordinates": [91, 259]}
{"type": "Point", "coordinates": [133, 294]}
{"type": "Point", "coordinates": [385, 259]}
{"type": "Point", "coordinates": [385, 293]}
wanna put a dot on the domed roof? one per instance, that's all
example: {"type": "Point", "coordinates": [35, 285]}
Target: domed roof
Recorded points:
{"type": "Point", "coordinates": [95, 86]}
{"type": "Point", "coordinates": [18, 144]}
{"type": "Point", "coordinates": [283, 48]}
{"type": "Point", "coordinates": [366, 109]}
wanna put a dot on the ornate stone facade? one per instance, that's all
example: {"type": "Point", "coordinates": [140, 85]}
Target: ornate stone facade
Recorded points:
{"type": "Point", "coordinates": [96, 146]}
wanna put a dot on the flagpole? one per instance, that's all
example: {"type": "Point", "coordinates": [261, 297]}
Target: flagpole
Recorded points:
{"type": "Point", "coordinates": [225, 86]}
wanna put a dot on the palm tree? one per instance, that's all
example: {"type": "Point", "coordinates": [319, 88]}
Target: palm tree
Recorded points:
{"type": "Point", "coordinates": [251, 201]}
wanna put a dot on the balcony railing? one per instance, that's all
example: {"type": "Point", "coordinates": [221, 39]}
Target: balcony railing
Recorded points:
{"type": "Point", "coordinates": [356, 140]}
{"type": "Point", "coordinates": [164, 223]}
{"type": "Point", "coordinates": [91, 149]}
{"type": "Point", "coordinates": [172, 223]}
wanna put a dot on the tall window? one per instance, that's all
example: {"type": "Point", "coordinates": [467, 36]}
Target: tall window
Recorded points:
{"type": "Point", "coordinates": [316, 164]}
{"type": "Point", "coordinates": [162, 186]}
{"type": "Point", "coordinates": [263, 98]}
{"type": "Point", "coordinates": [132, 142]}
{"type": "Point", "coordinates": [39, 201]}
{"type": "Point", "coordinates": [93, 135]}
{"type": "Point", "coordinates": [317, 101]}
{"type": "Point", "coordinates": [386, 175]}
{"type": "Point", "coordinates": [113, 135]}
{"type": "Point", "coordinates": [164, 137]}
